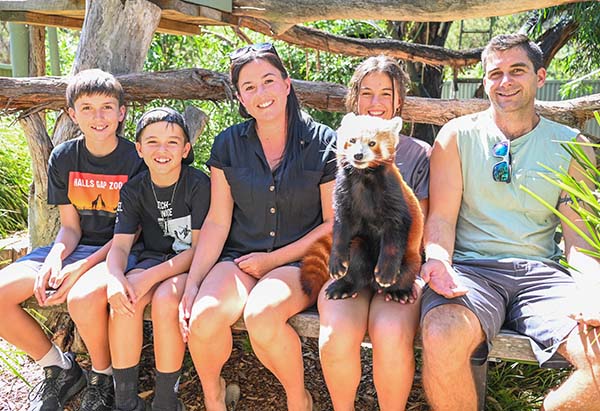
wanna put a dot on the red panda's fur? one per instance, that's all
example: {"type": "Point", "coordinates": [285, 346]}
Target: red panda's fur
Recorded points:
{"type": "Point", "coordinates": [378, 223]}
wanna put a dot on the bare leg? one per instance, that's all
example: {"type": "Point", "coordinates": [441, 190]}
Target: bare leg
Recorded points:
{"type": "Point", "coordinates": [220, 302]}
{"type": "Point", "coordinates": [169, 348]}
{"type": "Point", "coordinates": [275, 298]}
{"type": "Point", "coordinates": [450, 334]}
{"type": "Point", "coordinates": [392, 329]}
{"type": "Point", "coordinates": [88, 308]}
{"type": "Point", "coordinates": [581, 391]}
{"type": "Point", "coordinates": [126, 334]}
{"type": "Point", "coordinates": [16, 325]}
{"type": "Point", "coordinates": [343, 325]}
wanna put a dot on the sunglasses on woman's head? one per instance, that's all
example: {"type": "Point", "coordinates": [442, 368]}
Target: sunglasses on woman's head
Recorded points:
{"type": "Point", "coordinates": [502, 170]}
{"type": "Point", "coordinates": [242, 51]}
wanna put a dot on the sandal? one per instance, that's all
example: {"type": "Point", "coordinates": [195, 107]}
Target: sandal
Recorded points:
{"type": "Point", "coordinates": [232, 396]}
{"type": "Point", "coordinates": [311, 405]}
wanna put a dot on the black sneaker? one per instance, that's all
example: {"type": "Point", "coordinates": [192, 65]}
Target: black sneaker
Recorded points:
{"type": "Point", "coordinates": [57, 387]}
{"type": "Point", "coordinates": [99, 394]}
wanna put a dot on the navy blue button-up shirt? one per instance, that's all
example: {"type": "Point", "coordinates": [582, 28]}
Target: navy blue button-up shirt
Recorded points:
{"type": "Point", "coordinates": [272, 208]}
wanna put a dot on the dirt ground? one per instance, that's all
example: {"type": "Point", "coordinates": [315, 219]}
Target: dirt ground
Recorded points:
{"type": "Point", "coordinates": [260, 390]}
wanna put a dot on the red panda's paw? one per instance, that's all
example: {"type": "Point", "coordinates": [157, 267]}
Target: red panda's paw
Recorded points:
{"type": "Point", "coordinates": [386, 278]}
{"type": "Point", "coordinates": [340, 289]}
{"type": "Point", "coordinates": [337, 267]}
{"type": "Point", "coordinates": [401, 295]}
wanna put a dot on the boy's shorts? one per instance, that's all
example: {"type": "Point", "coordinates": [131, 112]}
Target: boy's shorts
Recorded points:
{"type": "Point", "coordinates": [145, 264]}
{"type": "Point", "coordinates": [230, 258]}
{"type": "Point", "coordinates": [532, 298]}
{"type": "Point", "coordinates": [147, 259]}
{"type": "Point", "coordinates": [35, 259]}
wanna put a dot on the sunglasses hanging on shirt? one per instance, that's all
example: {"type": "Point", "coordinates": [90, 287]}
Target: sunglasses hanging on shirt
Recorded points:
{"type": "Point", "coordinates": [502, 170]}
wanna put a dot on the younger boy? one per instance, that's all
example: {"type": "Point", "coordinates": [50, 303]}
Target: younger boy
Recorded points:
{"type": "Point", "coordinates": [169, 202]}
{"type": "Point", "coordinates": [84, 178]}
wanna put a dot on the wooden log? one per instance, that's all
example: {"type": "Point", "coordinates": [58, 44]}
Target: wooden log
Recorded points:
{"type": "Point", "coordinates": [506, 346]}
{"type": "Point", "coordinates": [284, 14]}
{"type": "Point", "coordinates": [33, 94]}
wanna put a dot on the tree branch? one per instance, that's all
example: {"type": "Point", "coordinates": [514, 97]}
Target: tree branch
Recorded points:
{"type": "Point", "coordinates": [320, 40]}
{"type": "Point", "coordinates": [30, 95]}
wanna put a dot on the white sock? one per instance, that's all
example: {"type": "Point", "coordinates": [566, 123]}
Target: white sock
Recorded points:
{"type": "Point", "coordinates": [55, 357]}
{"type": "Point", "coordinates": [107, 371]}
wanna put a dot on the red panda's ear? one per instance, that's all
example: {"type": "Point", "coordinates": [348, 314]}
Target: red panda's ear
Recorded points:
{"type": "Point", "coordinates": [347, 119]}
{"type": "Point", "coordinates": [397, 124]}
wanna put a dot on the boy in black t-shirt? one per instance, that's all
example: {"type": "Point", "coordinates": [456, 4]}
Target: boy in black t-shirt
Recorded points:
{"type": "Point", "coordinates": [169, 202]}
{"type": "Point", "coordinates": [84, 178]}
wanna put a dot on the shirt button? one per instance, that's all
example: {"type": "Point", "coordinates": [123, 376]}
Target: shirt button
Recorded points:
{"type": "Point", "coordinates": [272, 233]}
{"type": "Point", "coordinates": [271, 188]}
{"type": "Point", "coordinates": [272, 210]}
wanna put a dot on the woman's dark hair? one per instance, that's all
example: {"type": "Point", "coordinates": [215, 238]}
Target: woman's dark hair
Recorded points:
{"type": "Point", "coordinates": [377, 64]}
{"type": "Point", "coordinates": [293, 112]}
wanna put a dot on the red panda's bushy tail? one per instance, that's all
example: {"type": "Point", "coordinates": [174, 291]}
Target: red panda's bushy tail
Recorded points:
{"type": "Point", "coordinates": [315, 266]}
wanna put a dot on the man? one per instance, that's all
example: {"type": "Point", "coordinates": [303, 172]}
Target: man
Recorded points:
{"type": "Point", "coordinates": [490, 254]}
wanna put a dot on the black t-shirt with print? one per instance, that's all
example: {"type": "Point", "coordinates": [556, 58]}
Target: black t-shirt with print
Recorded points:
{"type": "Point", "coordinates": [273, 209]}
{"type": "Point", "coordinates": [91, 184]}
{"type": "Point", "coordinates": [166, 226]}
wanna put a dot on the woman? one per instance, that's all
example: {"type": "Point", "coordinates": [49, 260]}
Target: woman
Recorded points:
{"type": "Point", "coordinates": [271, 189]}
{"type": "Point", "coordinates": [377, 88]}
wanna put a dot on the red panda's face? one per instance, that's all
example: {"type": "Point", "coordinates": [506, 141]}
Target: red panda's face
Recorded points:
{"type": "Point", "coordinates": [367, 142]}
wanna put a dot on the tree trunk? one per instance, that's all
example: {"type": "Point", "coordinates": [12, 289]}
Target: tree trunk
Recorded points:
{"type": "Point", "coordinates": [284, 14]}
{"type": "Point", "coordinates": [41, 216]}
{"type": "Point", "coordinates": [115, 37]}
{"type": "Point", "coordinates": [553, 39]}
{"type": "Point", "coordinates": [426, 79]}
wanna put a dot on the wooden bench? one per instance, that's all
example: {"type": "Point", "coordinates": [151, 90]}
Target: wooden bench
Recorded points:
{"type": "Point", "coordinates": [507, 346]}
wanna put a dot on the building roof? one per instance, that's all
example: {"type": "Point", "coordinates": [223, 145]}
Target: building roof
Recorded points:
{"type": "Point", "coordinates": [178, 16]}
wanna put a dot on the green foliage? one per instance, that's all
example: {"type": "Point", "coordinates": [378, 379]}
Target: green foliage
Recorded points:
{"type": "Point", "coordinates": [584, 193]}
{"type": "Point", "coordinates": [499, 25]}
{"type": "Point", "coordinates": [11, 358]}
{"type": "Point", "coordinates": [67, 48]}
{"type": "Point", "coordinates": [15, 177]}
{"type": "Point", "coordinates": [519, 387]}
{"type": "Point", "coordinates": [582, 55]}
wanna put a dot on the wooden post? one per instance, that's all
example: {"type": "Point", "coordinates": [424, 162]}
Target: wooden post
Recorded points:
{"type": "Point", "coordinates": [19, 49]}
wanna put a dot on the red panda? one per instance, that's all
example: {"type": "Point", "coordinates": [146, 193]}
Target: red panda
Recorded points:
{"type": "Point", "coordinates": [378, 223]}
